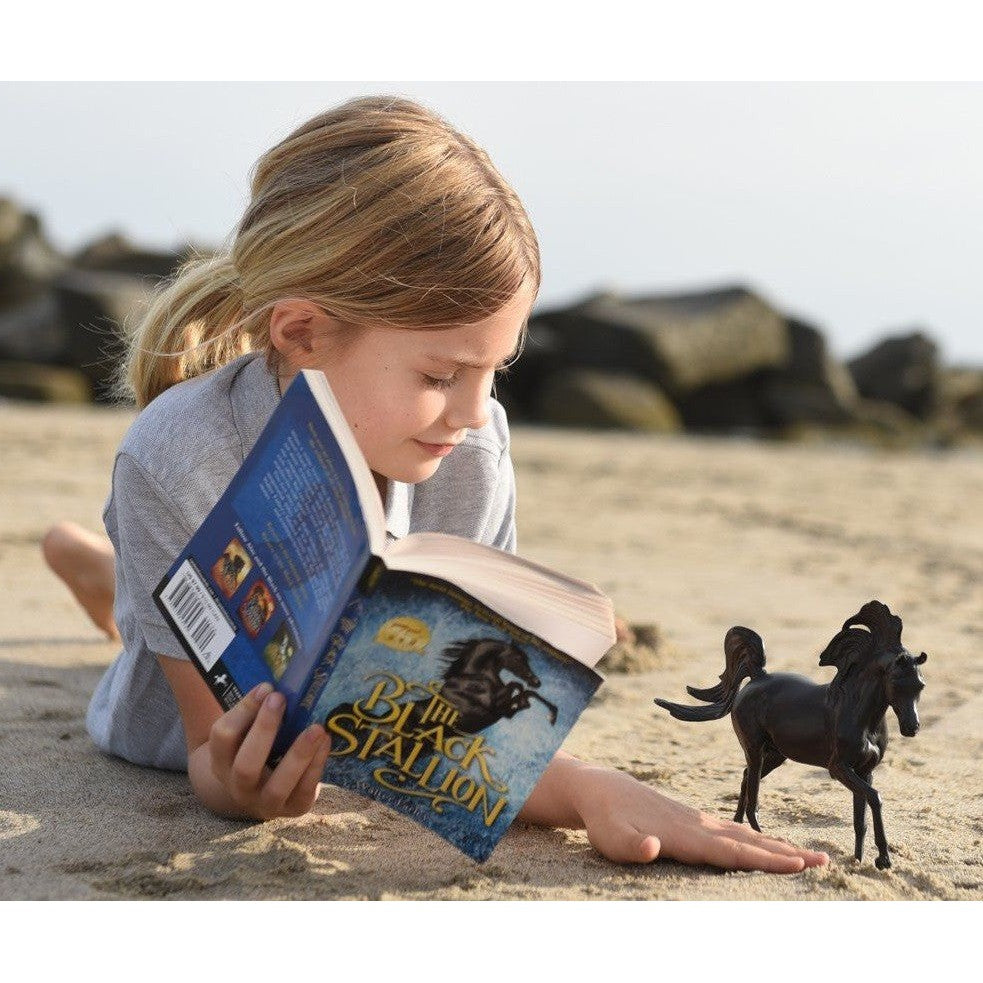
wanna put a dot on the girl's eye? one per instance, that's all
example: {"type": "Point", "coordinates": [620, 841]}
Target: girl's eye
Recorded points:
{"type": "Point", "coordinates": [439, 383]}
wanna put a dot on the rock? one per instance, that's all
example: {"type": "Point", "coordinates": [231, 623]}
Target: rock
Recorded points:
{"type": "Point", "coordinates": [903, 370]}
{"type": "Point", "coordinates": [679, 342]}
{"type": "Point", "coordinates": [885, 424]}
{"type": "Point", "coordinates": [726, 406]}
{"type": "Point", "coordinates": [518, 389]}
{"type": "Point", "coordinates": [32, 330]}
{"type": "Point", "coordinates": [27, 260]}
{"type": "Point", "coordinates": [116, 254]}
{"type": "Point", "coordinates": [46, 383]}
{"type": "Point", "coordinates": [812, 388]}
{"type": "Point", "coordinates": [99, 309]}
{"type": "Point", "coordinates": [641, 649]}
{"type": "Point", "coordinates": [604, 400]}
{"type": "Point", "coordinates": [961, 393]}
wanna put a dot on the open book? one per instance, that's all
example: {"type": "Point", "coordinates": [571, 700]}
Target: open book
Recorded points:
{"type": "Point", "coordinates": [446, 672]}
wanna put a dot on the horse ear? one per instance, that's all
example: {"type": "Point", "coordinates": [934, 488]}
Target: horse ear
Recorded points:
{"type": "Point", "coordinates": [847, 647]}
{"type": "Point", "coordinates": [921, 659]}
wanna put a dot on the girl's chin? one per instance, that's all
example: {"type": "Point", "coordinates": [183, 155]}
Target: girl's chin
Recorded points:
{"type": "Point", "coordinates": [411, 474]}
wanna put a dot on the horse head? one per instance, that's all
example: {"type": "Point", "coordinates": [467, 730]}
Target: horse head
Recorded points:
{"type": "Point", "coordinates": [517, 662]}
{"type": "Point", "coordinates": [489, 655]}
{"type": "Point", "coordinates": [876, 646]}
{"type": "Point", "coordinates": [904, 686]}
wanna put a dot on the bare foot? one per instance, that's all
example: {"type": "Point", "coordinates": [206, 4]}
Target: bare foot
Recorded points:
{"type": "Point", "coordinates": [85, 561]}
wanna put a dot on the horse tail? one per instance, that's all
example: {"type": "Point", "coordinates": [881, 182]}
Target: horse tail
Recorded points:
{"type": "Point", "coordinates": [744, 659]}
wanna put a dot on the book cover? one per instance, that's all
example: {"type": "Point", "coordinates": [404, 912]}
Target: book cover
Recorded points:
{"type": "Point", "coordinates": [442, 709]}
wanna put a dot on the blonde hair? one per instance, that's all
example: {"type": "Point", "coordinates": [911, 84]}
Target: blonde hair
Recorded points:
{"type": "Point", "coordinates": [376, 211]}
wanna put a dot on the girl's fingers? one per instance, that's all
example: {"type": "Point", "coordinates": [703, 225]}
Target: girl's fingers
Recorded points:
{"type": "Point", "coordinates": [247, 767]}
{"type": "Point", "coordinates": [228, 731]}
{"type": "Point", "coordinates": [747, 835]}
{"type": "Point", "coordinates": [292, 770]}
{"type": "Point", "coordinates": [724, 851]}
{"type": "Point", "coordinates": [305, 794]}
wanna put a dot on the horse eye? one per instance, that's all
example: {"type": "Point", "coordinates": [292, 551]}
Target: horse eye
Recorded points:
{"type": "Point", "coordinates": [900, 660]}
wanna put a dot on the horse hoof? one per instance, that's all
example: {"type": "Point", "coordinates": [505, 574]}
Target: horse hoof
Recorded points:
{"type": "Point", "coordinates": [882, 863]}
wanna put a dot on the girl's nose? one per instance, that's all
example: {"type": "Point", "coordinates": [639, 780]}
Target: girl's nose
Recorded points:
{"type": "Point", "coordinates": [469, 410]}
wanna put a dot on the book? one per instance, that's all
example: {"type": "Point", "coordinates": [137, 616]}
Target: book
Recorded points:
{"type": "Point", "coordinates": [446, 672]}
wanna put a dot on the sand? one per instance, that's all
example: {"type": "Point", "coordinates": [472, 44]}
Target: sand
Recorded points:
{"type": "Point", "coordinates": [691, 534]}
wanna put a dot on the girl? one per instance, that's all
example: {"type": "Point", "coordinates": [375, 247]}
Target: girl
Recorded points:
{"type": "Point", "coordinates": [383, 248]}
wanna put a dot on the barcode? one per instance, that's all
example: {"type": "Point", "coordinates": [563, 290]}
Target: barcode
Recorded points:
{"type": "Point", "coordinates": [197, 615]}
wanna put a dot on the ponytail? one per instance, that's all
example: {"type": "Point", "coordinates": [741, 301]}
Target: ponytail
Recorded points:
{"type": "Point", "coordinates": [194, 323]}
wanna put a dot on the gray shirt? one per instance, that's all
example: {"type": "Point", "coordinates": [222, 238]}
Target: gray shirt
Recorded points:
{"type": "Point", "coordinates": [172, 466]}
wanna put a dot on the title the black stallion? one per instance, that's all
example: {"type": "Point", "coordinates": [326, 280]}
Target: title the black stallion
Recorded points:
{"type": "Point", "coordinates": [838, 726]}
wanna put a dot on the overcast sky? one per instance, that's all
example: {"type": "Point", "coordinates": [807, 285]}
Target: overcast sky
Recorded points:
{"type": "Point", "coordinates": [858, 207]}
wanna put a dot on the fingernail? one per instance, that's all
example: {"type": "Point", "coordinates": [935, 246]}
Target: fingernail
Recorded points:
{"type": "Point", "coordinates": [314, 733]}
{"type": "Point", "coordinates": [274, 701]}
{"type": "Point", "coordinates": [262, 691]}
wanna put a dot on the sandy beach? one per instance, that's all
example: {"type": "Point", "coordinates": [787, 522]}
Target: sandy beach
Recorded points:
{"type": "Point", "coordinates": [691, 534]}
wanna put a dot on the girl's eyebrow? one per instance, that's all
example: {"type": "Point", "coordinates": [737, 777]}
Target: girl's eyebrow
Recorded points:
{"type": "Point", "coordinates": [463, 363]}
{"type": "Point", "coordinates": [466, 363]}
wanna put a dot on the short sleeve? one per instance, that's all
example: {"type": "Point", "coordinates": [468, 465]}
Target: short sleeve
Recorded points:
{"type": "Point", "coordinates": [148, 535]}
{"type": "Point", "coordinates": [472, 494]}
{"type": "Point", "coordinates": [500, 528]}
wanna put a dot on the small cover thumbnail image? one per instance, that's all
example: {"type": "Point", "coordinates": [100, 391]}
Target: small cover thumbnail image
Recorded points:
{"type": "Point", "coordinates": [257, 608]}
{"type": "Point", "coordinates": [279, 650]}
{"type": "Point", "coordinates": [231, 568]}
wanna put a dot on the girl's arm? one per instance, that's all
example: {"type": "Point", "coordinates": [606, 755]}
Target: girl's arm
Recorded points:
{"type": "Point", "coordinates": [227, 752]}
{"type": "Point", "coordinates": [630, 822]}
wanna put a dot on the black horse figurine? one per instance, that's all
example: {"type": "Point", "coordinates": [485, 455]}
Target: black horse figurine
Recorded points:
{"type": "Point", "coordinates": [838, 726]}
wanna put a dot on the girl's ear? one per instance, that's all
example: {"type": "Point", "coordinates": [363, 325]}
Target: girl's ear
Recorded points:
{"type": "Point", "coordinates": [292, 331]}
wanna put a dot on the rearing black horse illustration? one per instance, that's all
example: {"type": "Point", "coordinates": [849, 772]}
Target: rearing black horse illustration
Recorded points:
{"type": "Point", "coordinates": [839, 726]}
{"type": "Point", "coordinates": [473, 686]}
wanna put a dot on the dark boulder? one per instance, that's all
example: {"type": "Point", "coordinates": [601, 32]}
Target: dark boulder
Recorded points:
{"type": "Point", "coordinates": [32, 330]}
{"type": "Point", "coordinates": [902, 370]}
{"type": "Point", "coordinates": [722, 407]}
{"type": "Point", "coordinates": [99, 310]}
{"type": "Point", "coordinates": [680, 342]}
{"type": "Point", "coordinates": [812, 387]}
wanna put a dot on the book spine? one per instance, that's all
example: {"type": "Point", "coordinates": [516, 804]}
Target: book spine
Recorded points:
{"type": "Point", "coordinates": [344, 627]}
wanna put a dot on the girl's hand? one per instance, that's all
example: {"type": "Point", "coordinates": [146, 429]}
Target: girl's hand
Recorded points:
{"type": "Point", "coordinates": [238, 745]}
{"type": "Point", "coordinates": [629, 822]}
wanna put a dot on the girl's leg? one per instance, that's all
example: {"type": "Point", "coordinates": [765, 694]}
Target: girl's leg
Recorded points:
{"type": "Point", "coordinates": [85, 561]}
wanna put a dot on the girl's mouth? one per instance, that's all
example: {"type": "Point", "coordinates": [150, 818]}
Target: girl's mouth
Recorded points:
{"type": "Point", "coordinates": [437, 450]}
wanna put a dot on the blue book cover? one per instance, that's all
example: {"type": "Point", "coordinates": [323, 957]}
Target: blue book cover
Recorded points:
{"type": "Point", "coordinates": [437, 705]}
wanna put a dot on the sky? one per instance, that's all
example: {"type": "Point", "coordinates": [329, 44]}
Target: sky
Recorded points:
{"type": "Point", "coordinates": [856, 206]}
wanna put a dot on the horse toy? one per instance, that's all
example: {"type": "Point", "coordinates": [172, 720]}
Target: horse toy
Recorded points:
{"type": "Point", "coordinates": [838, 726]}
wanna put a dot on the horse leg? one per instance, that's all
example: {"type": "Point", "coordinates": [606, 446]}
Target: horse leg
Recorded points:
{"type": "Point", "coordinates": [754, 760]}
{"type": "Point", "coordinates": [742, 800]}
{"type": "Point", "coordinates": [860, 820]}
{"type": "Point", "coordinates": [856, 784]}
